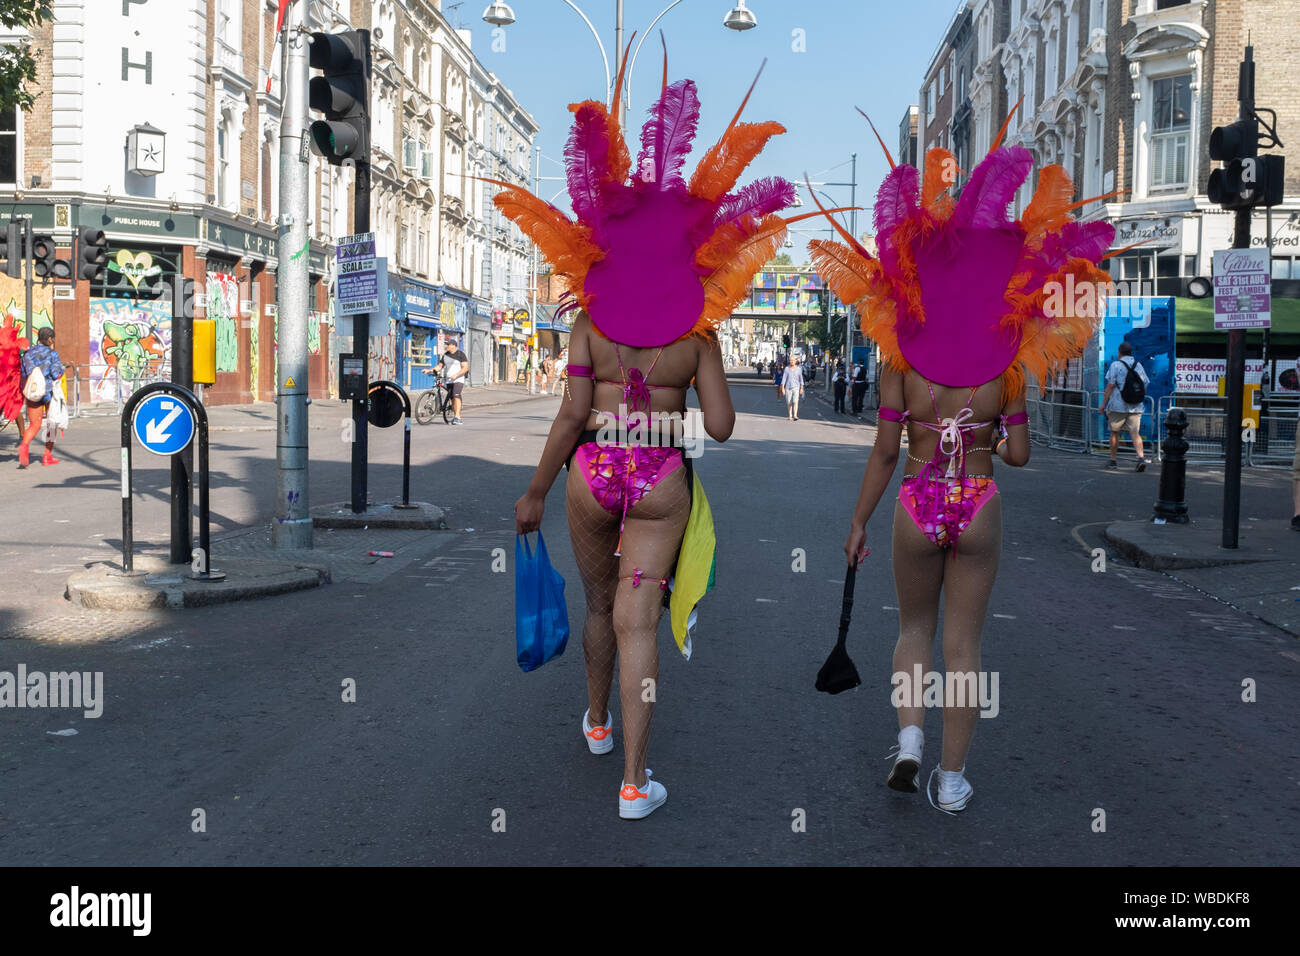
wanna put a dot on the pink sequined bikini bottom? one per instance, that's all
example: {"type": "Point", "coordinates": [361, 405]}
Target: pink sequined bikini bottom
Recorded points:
{"type": "Point", "coordinates": [943, 508]}
{"type": "Point", "coordinates": [619, 476]}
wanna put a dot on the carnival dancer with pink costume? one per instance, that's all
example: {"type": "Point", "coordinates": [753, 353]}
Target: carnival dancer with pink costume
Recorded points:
{"type": "Point", "coordinates": [957, 299]}
{"type": "Point", "coordinates": [654, 263]}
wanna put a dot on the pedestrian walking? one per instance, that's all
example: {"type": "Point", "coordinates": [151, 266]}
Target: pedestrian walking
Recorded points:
{"type": "Point", "coordinates": [561, 371]}
{"type": "Point", "coordinates": [956, 381]}
{"type": "Point", "coordinates": [859, 386]}
{"type": "Point", "coordinates": [792, 386]}
{"type": "Point", "coordinates": [455, 369]}
{"type": "Point", "coordinates": [1126, 387]}
{"type": "Point", "coordinates": [41, 370]}
{"type": "Point", "coordinates": [841, 385]}
{"type": "Point", "coordinates": [637, 513]}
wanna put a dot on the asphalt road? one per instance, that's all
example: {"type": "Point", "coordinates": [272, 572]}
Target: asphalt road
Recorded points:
{"type": "Point", "coordinates": [1120, 691]}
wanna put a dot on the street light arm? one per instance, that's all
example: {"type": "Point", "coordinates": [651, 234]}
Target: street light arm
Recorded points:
{"type": "Point", "coordinates": [632, 66]}
{"type": "Point", "coordinates": [605, 59]}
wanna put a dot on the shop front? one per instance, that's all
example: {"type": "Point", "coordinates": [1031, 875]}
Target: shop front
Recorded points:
{"type": "Point", "coordinates": [482, 347]}
{"type": "Point", "coordinates": [421, 325]}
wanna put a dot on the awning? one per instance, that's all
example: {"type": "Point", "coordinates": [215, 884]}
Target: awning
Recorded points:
{"type": "Point", "coordinates": [1196, 317]}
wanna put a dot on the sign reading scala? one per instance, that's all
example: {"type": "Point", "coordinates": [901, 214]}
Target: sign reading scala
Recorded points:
{"type": "Point", "coordinates": [358, 272]}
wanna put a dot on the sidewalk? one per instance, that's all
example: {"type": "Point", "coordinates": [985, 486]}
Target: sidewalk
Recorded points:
{"type": "Point", "coordinates": [260, 416]}
{"type": "Point", "coordinates": [1261, 576]}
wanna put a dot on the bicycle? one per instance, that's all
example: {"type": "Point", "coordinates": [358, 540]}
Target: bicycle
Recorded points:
{"type": "Point", "coordinates": [433, 402]}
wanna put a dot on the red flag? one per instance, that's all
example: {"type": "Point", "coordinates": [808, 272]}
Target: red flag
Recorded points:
{"type": "Point", "coordinates": [279, 26]}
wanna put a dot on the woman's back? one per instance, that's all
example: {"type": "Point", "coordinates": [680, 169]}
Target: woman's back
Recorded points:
{"type": "Point", "coordinates": [985, 406]}
{"type": "Point", "coordinates": [670, 377]}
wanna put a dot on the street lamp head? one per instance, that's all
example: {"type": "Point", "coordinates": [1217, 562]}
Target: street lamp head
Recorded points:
{"type": "Point", "coordinates": [739, 18]}
{"type": "Point", "coordinates": [499, 15]}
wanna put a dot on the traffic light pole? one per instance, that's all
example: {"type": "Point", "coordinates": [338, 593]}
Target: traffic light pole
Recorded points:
{"type": "Point", "coordinates": [1236, 371]}
{"type": "Point", "coordinates": [360, 347]}
{"type": "Point", "coordinates": [292, 528]}
{"type": "Point", "coordinates": [182, 463]}
{"type": "Point", "coordinates": [30, 260]}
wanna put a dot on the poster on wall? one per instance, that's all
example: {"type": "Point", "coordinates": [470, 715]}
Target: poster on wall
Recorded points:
{"type": "Point", "coordinates": [223, 306]}
{"type": "Point", "coordinates": [13, 299]}
{"type": "Point", "coordinates": [130, 346]}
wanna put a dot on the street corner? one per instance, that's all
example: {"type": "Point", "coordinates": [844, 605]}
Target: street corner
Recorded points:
{"type": "Point", "coordinates": [417, 516]}
{"type": "Point", "coordinates": [1163, 547]}
{"type": "Point", "coordinates": [155, 583]}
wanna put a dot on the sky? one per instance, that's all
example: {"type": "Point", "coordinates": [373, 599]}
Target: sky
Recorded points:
{"type": "Point", "coordinates": [865, 53]}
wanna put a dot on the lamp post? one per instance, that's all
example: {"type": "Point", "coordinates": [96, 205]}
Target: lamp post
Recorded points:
{"type": "Point", "coordinates": [738, 18]}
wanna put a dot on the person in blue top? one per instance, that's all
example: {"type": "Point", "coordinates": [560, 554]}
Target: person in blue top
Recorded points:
{"type": "Point", "coordinates": [42, 356]}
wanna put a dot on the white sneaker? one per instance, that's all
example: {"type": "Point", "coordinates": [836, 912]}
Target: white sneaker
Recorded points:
{"type": "Point", "coordinates": [633, 804]}
{"type": "Point", "coordinates": [955, 790]}
{"type": "Point", "coordinates": [600, 740]}
{"type": "Point", "coordinates": [907, 762]}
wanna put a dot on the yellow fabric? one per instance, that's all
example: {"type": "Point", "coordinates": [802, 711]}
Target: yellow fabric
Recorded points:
{"type": "Point", "coordinates": [694, 566]}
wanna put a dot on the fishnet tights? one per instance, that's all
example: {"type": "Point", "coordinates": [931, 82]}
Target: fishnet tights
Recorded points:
{"type": "Point", "coordinates": [623, 621]}
{"type": "Point", "coordinates": [921, 570]}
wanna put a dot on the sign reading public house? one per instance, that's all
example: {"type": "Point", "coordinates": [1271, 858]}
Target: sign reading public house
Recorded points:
{"type": "Point", "coordinates": [358, 271]}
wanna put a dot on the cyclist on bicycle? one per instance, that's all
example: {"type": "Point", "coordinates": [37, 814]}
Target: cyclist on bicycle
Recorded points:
{"type": "Point", "coordinates": [455, 369]}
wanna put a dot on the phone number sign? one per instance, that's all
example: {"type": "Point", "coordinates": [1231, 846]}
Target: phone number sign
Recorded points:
{"type": "Point", "coordinates": [358, 272]}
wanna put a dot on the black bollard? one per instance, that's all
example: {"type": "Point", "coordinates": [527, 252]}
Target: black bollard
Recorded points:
{"type": "Point", "coordinates": [1170, 506]}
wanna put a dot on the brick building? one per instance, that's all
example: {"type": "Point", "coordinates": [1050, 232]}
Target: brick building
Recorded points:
{"type": "Point", "coordinates": [1124, 94]}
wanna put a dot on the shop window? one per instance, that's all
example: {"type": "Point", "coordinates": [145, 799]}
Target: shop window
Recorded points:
{"type": "Point", "coordinates": [1283, 268]}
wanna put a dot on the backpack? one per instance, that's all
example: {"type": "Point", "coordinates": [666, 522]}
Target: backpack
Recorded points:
{"type": "Point", "coordinates": [1133, 391]}
{"type": "Point", "coordinates": [34, 388]}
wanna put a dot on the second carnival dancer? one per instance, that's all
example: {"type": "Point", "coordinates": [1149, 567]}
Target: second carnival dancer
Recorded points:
{"type": "Point", "coordinates": [634, 351]}
{"type": "Point", "coordinates": [964, 304]}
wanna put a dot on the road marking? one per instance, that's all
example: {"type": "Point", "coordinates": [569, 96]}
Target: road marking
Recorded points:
{"type": "Point", "coordinates": [1008, 617]}
{"type": "Point", "coordinates": [766, 600]}
{"type": "Point", "coordinates": [1074, 533]}
{"type": "Point", "coordinates": [1123, 627]}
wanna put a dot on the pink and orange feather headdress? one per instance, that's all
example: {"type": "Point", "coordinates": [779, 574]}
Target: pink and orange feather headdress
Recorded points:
{"type": "Point", "coordinates": [960, 292]}
{"type": "Point", "coordinates": [650, 257]}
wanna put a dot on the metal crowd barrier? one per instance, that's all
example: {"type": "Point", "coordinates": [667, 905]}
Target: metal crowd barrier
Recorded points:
{"type": "Point", "coordinates": [1275, 441]}
{"type": "Point", "coordinates": [1206, 424]}
{"type": "Point", "coordinates": [1060, 418]}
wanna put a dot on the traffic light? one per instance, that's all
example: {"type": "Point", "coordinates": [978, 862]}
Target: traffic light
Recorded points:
{"type": "Point", "coordinates": [1246, 179]}
{"type": "Point", "coordinates": [11, 248]}
{"type": "Point", "coordinates": [92, 253]}
{"type": "Point", "coordinates": [44, 261]}
{"type": "Point", "coordinates": [785, 340]}
{"type": "Point", "coordinates": [342, 93]}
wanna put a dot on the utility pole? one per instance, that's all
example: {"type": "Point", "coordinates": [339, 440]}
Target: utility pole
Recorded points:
{"type": "Point", "coordinates": [182, 463]}
{"type": "Point", "coordinates": [532, 311]}
{"type": "Point", "coordinates": [27, 282]}
{"type": "Point", "coordinates": [853, 228]}
{"type": "Point", "coordinates": [292, 528]}
{"type": "Point", "coordinates": [618, 52]}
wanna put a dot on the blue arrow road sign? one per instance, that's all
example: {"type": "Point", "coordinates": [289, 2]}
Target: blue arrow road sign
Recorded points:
{"type": "Point", "coordinates": [163, 424]}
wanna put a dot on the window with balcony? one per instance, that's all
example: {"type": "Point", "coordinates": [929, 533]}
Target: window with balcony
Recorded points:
{"type": "Point", "coordinates": [1171, 109]}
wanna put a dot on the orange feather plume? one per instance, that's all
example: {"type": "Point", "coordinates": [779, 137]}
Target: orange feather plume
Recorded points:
{"type": "Point", "coordinates": [722, 165]}
{"type": "Point", "coordinates": [563, 242]}
{"type": "Point", "coordinates": [1049, 209]}
{"type": "Point", "coordinates": [939, 165]}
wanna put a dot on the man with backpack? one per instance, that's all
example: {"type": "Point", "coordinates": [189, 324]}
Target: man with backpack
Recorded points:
{"type": "Point", "coordinates": [1126, 387]}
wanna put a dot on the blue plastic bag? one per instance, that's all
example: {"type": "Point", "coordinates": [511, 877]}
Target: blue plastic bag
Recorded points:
{"type": "Point", "coordinates": [541, 618]}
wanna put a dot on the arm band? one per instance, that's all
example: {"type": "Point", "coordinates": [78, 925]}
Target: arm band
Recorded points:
{"type": "Point", "coordinates": [891, 414]}
{"type": "Point", "coordinates": [581, 371]}
{"type": "Point", "coordinates": [1018, 418]}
